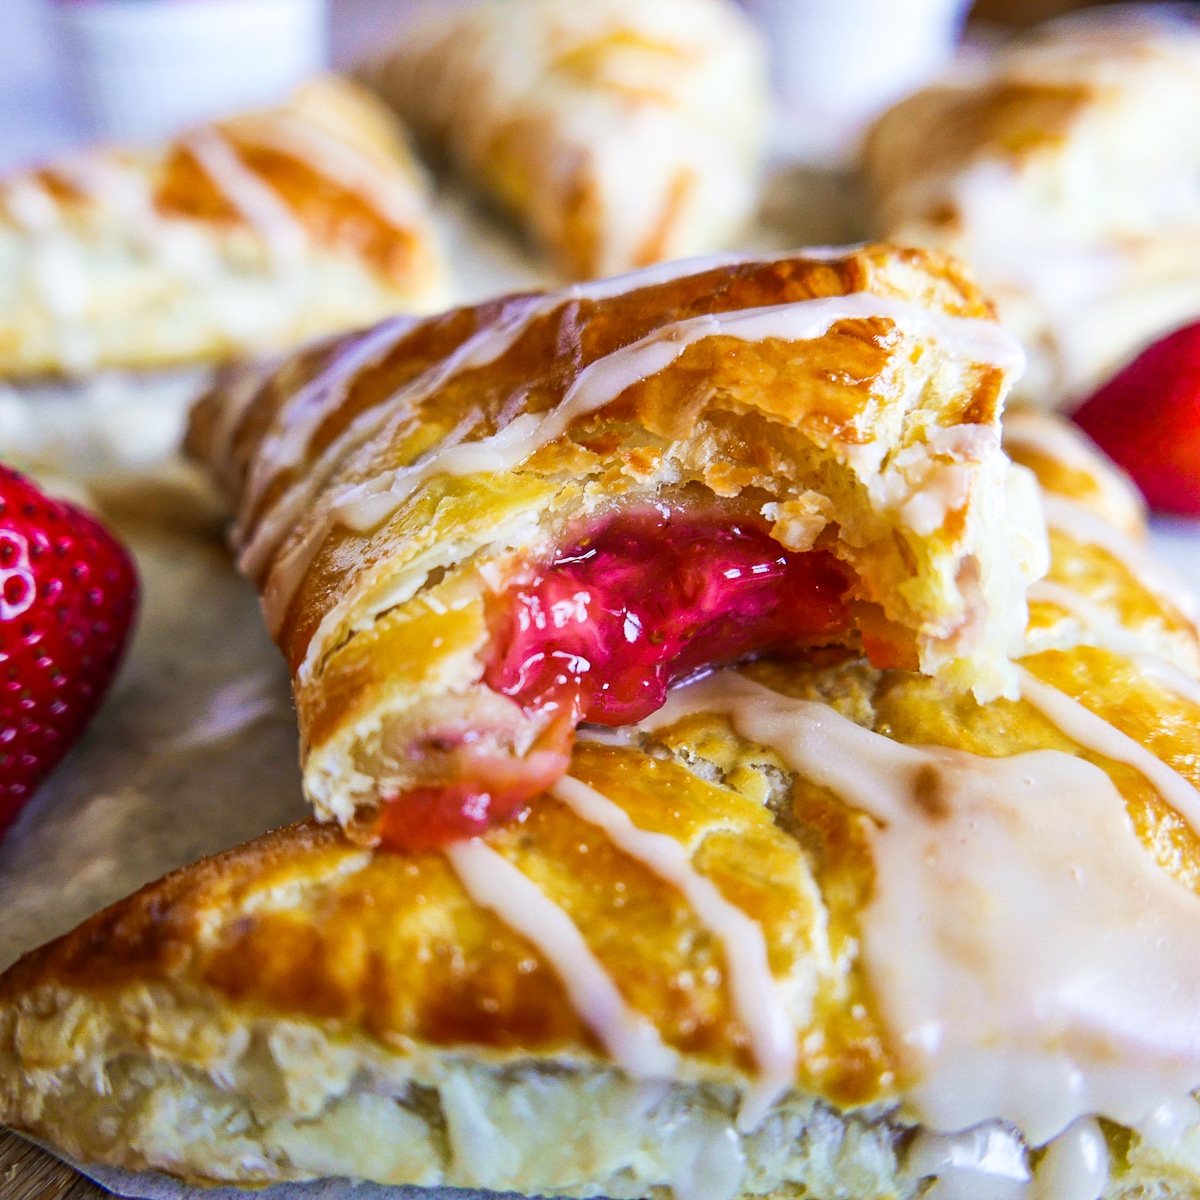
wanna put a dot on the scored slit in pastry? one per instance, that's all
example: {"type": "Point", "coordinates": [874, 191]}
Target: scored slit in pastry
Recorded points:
{"type": "Point", "coordinates": [248, 235]}
{"type": "Point", "coordinates": [817, 930]}
{"type": "Point", "coordinates": [1062, 170]}
{"type": "Point", "coordinates": [619, 132]}
{"type": "Point", "coordinates": [474, 532]}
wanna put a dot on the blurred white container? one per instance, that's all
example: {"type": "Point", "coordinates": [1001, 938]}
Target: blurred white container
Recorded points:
{"type": "Point", "coordinates": [838, 63]}
{"type": "Point", "coordinates": [147, 68]}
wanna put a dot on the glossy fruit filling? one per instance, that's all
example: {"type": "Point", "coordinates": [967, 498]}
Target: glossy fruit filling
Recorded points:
{"type": "Point", "coordinates": [600, 633]}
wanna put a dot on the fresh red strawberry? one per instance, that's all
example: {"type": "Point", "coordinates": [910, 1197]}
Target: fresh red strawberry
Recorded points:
{"type": "Point", "coordinates": [1147, 418]}
{"type": "Point", "coordinates": [68, 594]}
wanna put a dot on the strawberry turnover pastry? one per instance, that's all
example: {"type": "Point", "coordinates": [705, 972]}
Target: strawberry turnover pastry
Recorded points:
{"type": "Point", "coordinates": [545, 510]}
{"type": "Point", "coordinates": [68, 597]}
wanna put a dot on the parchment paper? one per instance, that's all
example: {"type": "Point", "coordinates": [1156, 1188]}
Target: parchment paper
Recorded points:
{"type": "Point", "coordinates": [195, 749]}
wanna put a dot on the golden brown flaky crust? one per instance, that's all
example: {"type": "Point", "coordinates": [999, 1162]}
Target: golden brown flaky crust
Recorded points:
{"type": "Point", "coordinates": [873, 437]}
{"type": "Point", "coordinates": [301, 1006]}
{"type": "Point", "coordinates": [1053, 172]}
{"type": "Point", "coordinates": [619, 133]}
{"type": "Point", "coordinates": [252, 234]}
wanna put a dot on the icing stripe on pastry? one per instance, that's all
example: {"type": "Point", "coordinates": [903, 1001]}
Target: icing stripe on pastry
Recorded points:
{"type": "Point", "coordinates": [287, 446]}
{"type": "Point", "coordinates": [338, 162]}
{"type": "Point", "coordinates": [310, 406]}
{"type": "Point", "coordinates": [1084, 526]}
{"type": "Point", "coordinates": [1034, 1021]}
{"type": "Point", "coordinates": [1168, 675]}
{"type": "Point", "coordinates": [1094, 733]}
{"type": "Point", "coordinates": [482, 348]}
{"type": "Point", "coordinates": [751, 986]}
{"type": "Point", "coordinates": [630, 1038]}
{"type": "Point", "coordinates": [367, 505]}
{"type": "Point", "coordinates": [258, 203]}
{"type": "Point", "coordinates": [1110, 634]}
{"type": "Point", "coordinates": [1106, 629]}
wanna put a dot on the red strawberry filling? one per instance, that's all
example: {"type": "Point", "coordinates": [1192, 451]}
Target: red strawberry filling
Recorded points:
{"type": "Point", "coordinates": [600, 633]}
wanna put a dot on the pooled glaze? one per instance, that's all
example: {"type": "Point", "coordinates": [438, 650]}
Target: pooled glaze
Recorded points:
{"type": "Point", "coordinates": [1086, 527]}
{"type": "Point", "coordinates": [993, 1010]}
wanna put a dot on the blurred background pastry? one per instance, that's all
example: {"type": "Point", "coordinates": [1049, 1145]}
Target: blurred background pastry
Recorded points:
{"type": "Point", "coordinates": [1063, 170]}
{"type": "Point", "coordinates": [618, 132]}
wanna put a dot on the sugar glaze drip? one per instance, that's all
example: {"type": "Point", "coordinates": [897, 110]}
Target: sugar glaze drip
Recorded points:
{"type": "Point", "coordinates": [630, 1039]}
{"type": "Point", "coordinates": [257, 202]}
{"type": "Point", "coordinates": [1094, 733]}
{"type": "Point", "coordinates": [291, 434]}
{"type": "Point", "coordinates": [1105, 629]}
{"type": "Point", "coordinates": [365, 506]}
{"type": "Point", "coordinates": [756, 999]}
{"type": "Point", "coordinates": [1086, 527]}
{"type": "Point", "coordinates": [994, 1011]}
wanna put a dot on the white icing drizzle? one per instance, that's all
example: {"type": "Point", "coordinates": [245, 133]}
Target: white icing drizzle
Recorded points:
{"type": "Point", "coordinates": [1169, 676]}
{"type": "Point", "coordinates": [364, 506]}
{"type": "Point", "coordinates": [493, 882]}
{"type": "Point", "coordinates": [299, 418]}
{"type": "Point", "coordinates": [236, 398]}
{"type": "Point", "coordinates": [258, 203]}
{"type": "Point", "coordinates": [1096, 734]}
{"type": "Point", "coordinates": [752, 989]}
{"type": "Point", "coordinates": [1075, 1165]}
{"type": "Point", "coordinates": [485, 346]}
{"type": "Point", "coordinates": [1086, 527]}
{"type": "Point", "coordinates": [399, 203]}
{"type": "Point", "coordinates": [1030, 960]}
{"type": "Point", "coordinates": [1106, 630]}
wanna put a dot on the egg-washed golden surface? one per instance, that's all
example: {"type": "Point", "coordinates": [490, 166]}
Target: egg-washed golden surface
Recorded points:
{"type": "Point", "coordinates": [327, 1009]}
{"type": "Point", "coordinates": [249, 235]}
{"type": "Point", "coordinates": [847, 437]}
{"type": "Point", "coordinates": [619, 133]}
{"type": "Point", "coordinates": [1052, 171]}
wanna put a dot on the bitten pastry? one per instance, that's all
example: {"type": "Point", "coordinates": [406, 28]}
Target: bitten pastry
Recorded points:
{"type": "Point", "coordinates": [253, 234]}
{"type": "Point", "coordinates": [821, 931]}
{"type": "Point", "coordinates": [1064, 174]}
{"type": "Point", "coordinates": [473, 532]}
{"type": "Point", "coordinates": [618, 132]}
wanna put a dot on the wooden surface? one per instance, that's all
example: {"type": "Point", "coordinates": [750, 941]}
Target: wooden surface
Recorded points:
{"type": "Point", "coordinates": [27, 1173]}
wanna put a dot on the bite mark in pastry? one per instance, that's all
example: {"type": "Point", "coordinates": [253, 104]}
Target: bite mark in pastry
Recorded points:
{"type": "Point", "coordinates": [619, 133]}
{"type": "Point", "coordinates": [475, 531]}
{"type": "Point", "coordinates": [980, 931]}
{"type": "Point", "coordinates": [252, 234]}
